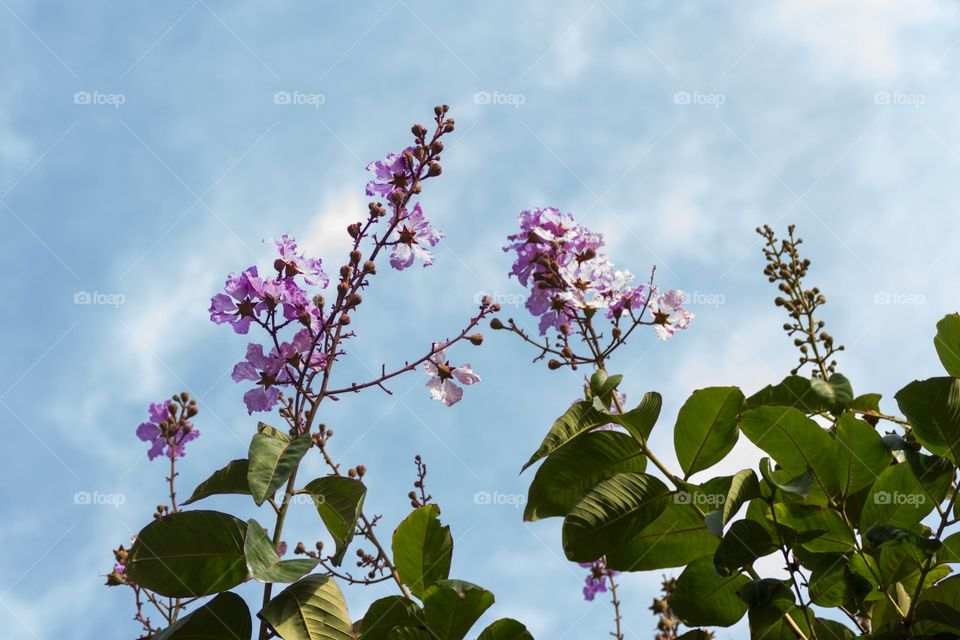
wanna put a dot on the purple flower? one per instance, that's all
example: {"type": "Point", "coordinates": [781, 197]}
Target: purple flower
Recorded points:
{"type": "Point", "coordinates": [392, 173]}
{"type": "Point", "coordinates": [596, 581]}
{"type": "Point", "coordinates": [165, 436]}
{"type": "Point", "coordinates": [238, 305]}
{"type": "Point", "coordinates": [273, 370]}
{"type": "Point", "coordinates": [290, 263]}
{"type": "Point", "coordinates": [669, 316]}
{"type": "Point", "coordinates": [442, 376]}
{"type": "Point", "coordinates": [413, 234]}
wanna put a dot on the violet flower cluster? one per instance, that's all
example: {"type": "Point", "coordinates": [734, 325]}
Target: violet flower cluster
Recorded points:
{"type": "Point", "coordinates": [304, 331]}
{"type": "Point", "coordinates": [167, 433]}
{"type": "Point", "coordinates": [559, 260]}
{"type": "Point", "coordinates": [596, 580]}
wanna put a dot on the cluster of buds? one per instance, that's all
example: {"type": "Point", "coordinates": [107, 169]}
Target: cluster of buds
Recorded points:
{"type": "Point", "coordinates": [419, 497]}
{"type": "Point", "coordinates": [787, 269]}
{"type": "Point", "coordinates": [301, 550]}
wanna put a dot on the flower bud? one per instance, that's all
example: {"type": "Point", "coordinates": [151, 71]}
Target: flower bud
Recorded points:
{"type": "Point", "coordinates": [299, 549]}
{"type": "Point", "coordinates": [354, 300]}
{"type": "Point", "coordinates": [361, 470]}
{"type": "Point", "coordinates": [353, 229]}
{"type": "Point", "coordinates": [355, 256]}
{"type": "Point", "coordinates": [418, 130]}
{"type": "Point", "coordinates": [495, 324]}
{"type": "Point", "coordinates": [344, 319]}
{"type": "Point", "coordinates": [369, 267]}
{"type": "Point", "coordinates": [476, 339]}
{"type": "Point", "coordinates": [352, 473]}
{"type": "Point", "coordinates": [436, 147]}
{"type": "Point", "coordinates": [486, 301]}
{"type": "Point", "coordinates": [434, 169]}
{"type": "Point", "coordinates": [448, 127]}
{"type": "Point", "coordinates": [345, 271]}
{"type": "Point", "coordinates": [554, 364]}
{"type": "Point", "coordinates": [415, 187]}
{"type": "Point", "coordinates": [376, 209]}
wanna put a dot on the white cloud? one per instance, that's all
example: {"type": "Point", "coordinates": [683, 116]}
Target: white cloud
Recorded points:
{"type": "Point", "coordinates": [862, 37]}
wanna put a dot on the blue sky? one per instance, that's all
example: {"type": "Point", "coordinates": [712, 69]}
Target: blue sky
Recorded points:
{"type": "Point", "coordinates": [673, 127]}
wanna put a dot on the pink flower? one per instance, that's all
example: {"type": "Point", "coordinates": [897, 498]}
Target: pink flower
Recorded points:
{"type": "Point", "coordinates": [442, 376]}
{"type": "Point", "coordinates": [669, 316]}
{"type": "Point", "coordinates": [414, 234]}
{"type": "Point", "coordinates": [389, 174]}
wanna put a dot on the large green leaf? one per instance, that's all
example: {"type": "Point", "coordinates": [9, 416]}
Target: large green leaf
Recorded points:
{"type": "Point", "coordinates": [743, 488]}
{"type": "Point", "coordinates": [505, 629]}
{"type": "Point", "coordinates": [225, 617]}
{"type": "Point", "coordinates": [938, 609]}
{"type": "Point", "coordinates": [743, 543]}
{"type": "Point", "coordinates": [611, 514]}
{"type": "Point", "coordinates": [809, 395]}
{"type": "Point", "coordinates": [675, 538]}
{"type": "Point", "coordinates": [570, 471]}
{"type": "Point", "coordinates": [897, 499]}
{"type": "Point", "coordinates": [706, 427]}
{"type": "Point", "coordinates": [312, 608]}
{"type": "Point", "coordinates": [388, 613]}
{"type": "Point", "coordinates": [189, 553]}
{"type": "Point", "coordinates": [818, 530]}
{"type": "Point", "coordinates": [231, 479]}
{"type": "Point", "coordinates": [705, 598]}
{"type": "Point", "coordinates": [795, 441]}
{"type": "Point", "coordinates": [947, 343]}
{"type": "Point", "coordinates": [273, 457]}
{"type": "Point", "coordinates": [339, 502]}
{"type": "Point", "coordinates": [451, 607]}
{"type": "Point", "coordinates": [583, 416]}
{"type": "Point", "coordinates": [422, 549]}
{"type": "Point", "coordinates": [933, 408]}
{"type": "Point", "coordinates": [861, 456]}
{"type": "Point", "coordinates": [264, 562]}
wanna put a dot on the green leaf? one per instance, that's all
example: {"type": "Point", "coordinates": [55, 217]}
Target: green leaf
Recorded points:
{"type": "Point", "coordinates": [231, 479]}
{"type": "Point", "coordinates": [640, 420]}
{"type": "Point", "coordinates": [674, 539]}
{"type": "Point", "coordinates": [832, 583]}
{"type": "Point", "coordinates": [896, 499]}
{"type": "Point", "coordinates": [938, 609]}
{"type": "Point", "coordinates": [505, 629]}
{"type": "Point", "coordinates": [611, 514]}
{"type": "Point", "coordinates": [388, 613]}
{"type": "Point", "coordinates": [569, 472]}
{"type": "Point", "coordinates": [339, 501]}
{"type": "Point", "coordinates": [933, 408]}
{"type": "Point", "coordinates": [831, 630]}
{"type": "Point", "coordinates": [225, 616]}
{"type": "Point", "coordinates": [603, 385]}
{"type": "Point", "coordinates": [743, 488]}
{"type": "Point", "coordinates": [704, 598]}
{"type": "Point", "coordinates": [451, 607]}
{"type": "Point", "coordinates": [312, 608]}
{"type": "Point", "coordinates": [947, 343]}
{"type": "Point", "coordinates": [770, 600]}
{"type": "Point", "coordinates": [809, 395]}
{"type": "Point", "coordinates": [819, 530]}
{"type": "Point", "coordinates": [795, 441]}
{"type": "Point", "coordinates": [189, 553]}
{"type": "Point", "coordinates": [272, 460]}
{"type": "Point", "coordinates": [706, 427]}
{"type": "Point", "coordinates": [583, 417]}
{"type": "Point", "coordinates": [861, 456]}
{"type": "Point", "coordinates": [950, 552]}
{"type": "Point", "coordinates": [779, 478]}
{"type": "Point", "coordinates": [264, 562]}
{"type": "Point", "coordinates": [743, 543]}
{"type": "Point", "coordinates": [422, 549]}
